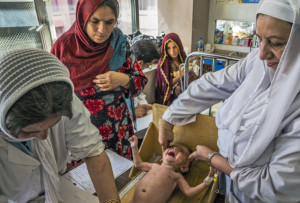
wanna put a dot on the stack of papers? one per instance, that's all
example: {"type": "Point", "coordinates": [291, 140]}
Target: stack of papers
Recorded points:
{"type": "Point", "coordinates": [79, 176]}
{"type": "Point", "coordinates": [72, 194]}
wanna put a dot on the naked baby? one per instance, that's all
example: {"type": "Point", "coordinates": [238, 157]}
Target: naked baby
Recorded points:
{"type": "Point", "coordinates": [161, 180]}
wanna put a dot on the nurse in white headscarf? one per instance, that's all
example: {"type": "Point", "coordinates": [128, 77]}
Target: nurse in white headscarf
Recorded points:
{"type": "Point", "coordinates": [259, 122]}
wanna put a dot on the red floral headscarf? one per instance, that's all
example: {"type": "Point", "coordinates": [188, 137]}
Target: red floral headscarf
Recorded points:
{"type": "Point", "coordinates": [163, 73]}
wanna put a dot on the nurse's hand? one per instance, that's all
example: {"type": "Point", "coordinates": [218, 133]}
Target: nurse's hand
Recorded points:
{"type": "Point", "coordinates": [111, 79]}
{"type": "Point", "coordinates": [165, 137]}
{"type": "Point", "coordinates": [201, 153]}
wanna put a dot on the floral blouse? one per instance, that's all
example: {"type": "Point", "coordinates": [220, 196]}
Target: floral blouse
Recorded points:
{"type": "Point", "coordinates": [109, 112]}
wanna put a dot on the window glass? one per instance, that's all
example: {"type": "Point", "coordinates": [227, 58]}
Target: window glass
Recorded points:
{"type": "Point", "coordinates": [148, 17]}
{"type": "Point", "coordinates": [19, 26]}
{"type": "Point", "coordinates": [124, 20]}
{"type": "Point", "coordinates": [234, 33]}
{"type": "Point", "coordinates": [63, 15]}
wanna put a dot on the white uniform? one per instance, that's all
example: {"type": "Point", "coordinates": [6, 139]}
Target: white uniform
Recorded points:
{"type": "Point", "coordinates": [272, 176]}
{"type": "Point", "coordinates": [20, 174]}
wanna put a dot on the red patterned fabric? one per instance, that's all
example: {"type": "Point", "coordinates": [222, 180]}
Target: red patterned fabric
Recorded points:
{"type": "Point", "coordinates": [84, 58]}
{"type": "Point", "coordinates": [109, 112]}
{"type": "Point", "coordinates": [163, 92]}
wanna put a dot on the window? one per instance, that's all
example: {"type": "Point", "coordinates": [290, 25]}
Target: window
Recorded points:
{"type": "Point", "coordinates": [148, 17]}
{"type": "Point", "coordinates": [234, 33]}
{"type": "Point", "coordinates": [63, 14]}
{"type": "Point", "coordinates": [125, 19]}
{"type": "Point", "coordinates": [19, 26]}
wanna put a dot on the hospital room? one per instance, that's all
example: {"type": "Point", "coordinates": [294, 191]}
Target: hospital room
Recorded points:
{"type": "Point", "coordinates": [149, 101]}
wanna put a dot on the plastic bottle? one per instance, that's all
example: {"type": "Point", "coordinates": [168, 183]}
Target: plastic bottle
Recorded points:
{"type": "Point", "coordinates": [229, 36]}
{"type": "Point", "coordinates": [242, 42]}
{"type": "Point", "coordinates": [225, 38]}
{"type": "Point", "coordinates": [235, 41]}
{"type": "Point", "coordinates": [200, 44]}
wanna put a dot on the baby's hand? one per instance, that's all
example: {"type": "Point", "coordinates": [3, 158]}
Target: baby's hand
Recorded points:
{"type": "Point", "coordinates": [212, 176]}
{"type": "Point", "coordinates": [133, 141]}
{"type": "Point", "coordinates": [212, 171]}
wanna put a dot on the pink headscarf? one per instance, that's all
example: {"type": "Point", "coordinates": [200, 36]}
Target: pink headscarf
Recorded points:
{"type": "Point", "coordinates": [163, 73]}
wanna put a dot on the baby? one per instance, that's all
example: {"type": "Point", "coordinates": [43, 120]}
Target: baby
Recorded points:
{"type": "Point", "coordinates": [161, 180]}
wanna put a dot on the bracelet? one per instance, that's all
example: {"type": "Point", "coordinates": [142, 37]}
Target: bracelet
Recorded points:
{"type": "Point", "coordinates": [210, 156]}
{"type": "Point", "coordinates": [116, 200]}
{"type": "Point", "coordinates": [127, 85]}
{"type": "Point", "coordinates": [165, 125]}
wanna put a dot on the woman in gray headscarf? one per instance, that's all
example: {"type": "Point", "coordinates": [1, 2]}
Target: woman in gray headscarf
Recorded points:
{"type": "Point", "coordinates": [41, 120]}
{"type": "Point", "coordinates": [259, 122]}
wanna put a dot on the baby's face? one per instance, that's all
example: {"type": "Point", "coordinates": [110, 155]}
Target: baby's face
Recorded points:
{"type": "Point", "coordinates": [176, 155]}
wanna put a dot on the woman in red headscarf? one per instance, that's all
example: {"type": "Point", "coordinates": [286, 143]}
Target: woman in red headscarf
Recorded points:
{"type": "Point", "coordinates": [102, 71]}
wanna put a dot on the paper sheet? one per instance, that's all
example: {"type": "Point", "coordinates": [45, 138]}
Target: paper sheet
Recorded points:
{"type": "Point", "coordinates": [144, 122]}
{"type": "Point", "coordinates": [72, 194]}
{"type": "Point", "coordinates": [119, 164]}
{"type": "Point", "coordinates": [79, 176]}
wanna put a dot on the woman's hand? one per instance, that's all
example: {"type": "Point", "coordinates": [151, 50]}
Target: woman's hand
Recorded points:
{"type": "Point", "coordinates": [111, 80]}
{"type": "Point", "coordinates": [165, 137]}
{"type": "Point", "coordinates": [217, 161]}
{"type": "Point", "coordinates": [181, 71]}
{"type": "Point", "coordinates": [201, 153]}
{"type": "Point", "coordinates": [142, 110]}
{"type": "Point", "coordinates": [177, 90]}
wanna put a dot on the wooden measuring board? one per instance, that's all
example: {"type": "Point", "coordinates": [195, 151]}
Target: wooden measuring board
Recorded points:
{"type": "Point", "coordinates": [131, 184]}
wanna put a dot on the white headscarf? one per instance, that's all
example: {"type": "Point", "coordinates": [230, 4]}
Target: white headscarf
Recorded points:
{"type": "Point", "coordinates": [281, 94]}
{"type": "Point", "coordinates": [20, 71]}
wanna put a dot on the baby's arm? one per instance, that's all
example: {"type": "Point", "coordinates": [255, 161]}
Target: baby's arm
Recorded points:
{"type": "Point", "coordinates": [138, 163]}
{"type": "Point", "coordinates": [192, 191]}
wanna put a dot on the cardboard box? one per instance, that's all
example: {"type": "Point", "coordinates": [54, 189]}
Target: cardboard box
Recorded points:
{"type": "Point", "coordinates": [201, 132]}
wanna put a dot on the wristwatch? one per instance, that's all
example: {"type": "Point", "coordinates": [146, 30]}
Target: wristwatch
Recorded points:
{"type": "Point", "coordinates": [210, 156]}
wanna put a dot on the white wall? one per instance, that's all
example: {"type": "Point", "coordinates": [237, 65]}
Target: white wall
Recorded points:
{"type": "Point", "coordinates": [192, 19]}
{"type": "Point", "coordinates": [176, 16]}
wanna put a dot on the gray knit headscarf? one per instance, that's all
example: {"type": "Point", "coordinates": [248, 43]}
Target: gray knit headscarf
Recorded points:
{"type": "Point", "coordinates": [21, 71]}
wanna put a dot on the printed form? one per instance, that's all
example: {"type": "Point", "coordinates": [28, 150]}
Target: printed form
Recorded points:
{"type": "Point", "coordinates": [79, 176]}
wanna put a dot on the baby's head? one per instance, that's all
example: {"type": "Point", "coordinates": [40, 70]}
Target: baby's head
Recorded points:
{"type": "Point", "coordinates": [177, 156]}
